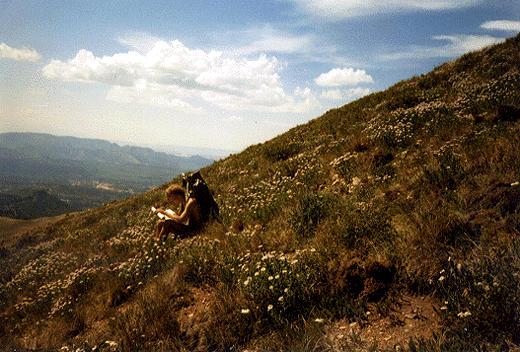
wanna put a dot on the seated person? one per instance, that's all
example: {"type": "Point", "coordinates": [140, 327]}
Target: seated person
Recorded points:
{"type": "Point", "coordinates": [189, 220]}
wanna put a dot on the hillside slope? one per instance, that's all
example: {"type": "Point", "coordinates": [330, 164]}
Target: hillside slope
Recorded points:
{"type": "Point", "coordinates": [328, 232]}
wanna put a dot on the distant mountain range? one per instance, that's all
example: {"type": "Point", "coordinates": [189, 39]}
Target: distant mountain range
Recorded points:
{"type": "Point", "coordinates": [82, 172]}
{"type": "Point", "coordinates": [182, 150]}
{"type": "Point", "coordinates": [41, 158]}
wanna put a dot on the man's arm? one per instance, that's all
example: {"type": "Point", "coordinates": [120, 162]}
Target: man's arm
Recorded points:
{"type": "Point", "coordinates": [188, 209]}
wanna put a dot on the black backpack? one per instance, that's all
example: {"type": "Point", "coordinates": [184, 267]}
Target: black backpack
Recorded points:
{"type": "Point", "coordinates": [196, 187]}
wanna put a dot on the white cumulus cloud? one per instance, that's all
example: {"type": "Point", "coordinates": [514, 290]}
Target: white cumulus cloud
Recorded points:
{"type": "Point", "coordinates": [456, 45]}
{"type": "Point", "coordinates": [175, 76]}
{"type": "Point", "coordinates": [23, 54]}
{"type": "Point", "coordinates": [502, 25]}
{"type": "Point", "coordinates": [334, 10]}
{"type": "Point", "coordinates": [343, 77]}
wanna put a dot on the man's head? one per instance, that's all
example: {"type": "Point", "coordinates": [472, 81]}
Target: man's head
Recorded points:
{"type": "Point", "coordinates": [175, 194]}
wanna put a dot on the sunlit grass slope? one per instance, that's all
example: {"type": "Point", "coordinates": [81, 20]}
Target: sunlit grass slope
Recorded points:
{"type": "Point", "coordinates": [413, 190]}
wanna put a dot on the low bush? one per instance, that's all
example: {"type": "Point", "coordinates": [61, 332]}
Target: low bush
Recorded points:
{"type": "Point", "coordinates": [362, 222]}
{"type": "Point", "coordinates": [481, 296]}
{"type": "Point", "coordinates": [278, 150]}
{"type": "Point", "coordinates": [312, 209]}
{"type": "Point", "coordinates": [449, 174]}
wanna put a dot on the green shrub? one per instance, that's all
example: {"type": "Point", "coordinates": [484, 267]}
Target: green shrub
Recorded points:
{"type": "Point", "coordinates": [449, 174]}
{"type": "Point", "coordinates": [363, 222]}
{"type": "Point", "coordinates": [481, 297]}
{"type": "Point", "coordinates": [278, 150]}
{"type": "Point", "coordinates": [310, 211]}
{"type": "Point", "coordinates": [345, 165]}
{"type": "Point", "coordinates": [200, 259]}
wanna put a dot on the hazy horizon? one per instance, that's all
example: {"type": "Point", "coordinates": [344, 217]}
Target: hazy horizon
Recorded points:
{"type": "Point", "coordinates": [177, 150]}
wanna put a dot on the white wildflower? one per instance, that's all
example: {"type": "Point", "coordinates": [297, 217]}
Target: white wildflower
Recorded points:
{"type": "Point", "coordinates": [464, 314]}
{"type": "Point", "coordinates": [112, 344]}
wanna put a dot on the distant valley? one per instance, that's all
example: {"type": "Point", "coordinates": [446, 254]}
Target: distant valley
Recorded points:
{"type": "Point", "coordinates": [45, 175]}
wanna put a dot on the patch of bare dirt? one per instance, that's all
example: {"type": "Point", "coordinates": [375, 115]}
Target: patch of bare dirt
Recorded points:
{"type": "Point", "coordinates": [193, 317]}
{"type": "Point", "coordinates": [412, 317]}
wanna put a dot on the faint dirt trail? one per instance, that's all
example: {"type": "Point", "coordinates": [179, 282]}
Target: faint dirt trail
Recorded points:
{"type": "Point", "coordinates": [413, 316]}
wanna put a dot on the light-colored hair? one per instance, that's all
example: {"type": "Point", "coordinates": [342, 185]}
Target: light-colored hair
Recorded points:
{"type": "Point", "coordinates": [174, 190]}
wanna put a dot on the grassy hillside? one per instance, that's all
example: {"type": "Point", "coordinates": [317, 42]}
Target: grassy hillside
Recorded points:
{"type": "Point", "coordinates": [391, 221]}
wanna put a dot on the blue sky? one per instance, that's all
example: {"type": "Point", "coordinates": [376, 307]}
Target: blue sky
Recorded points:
{"type": "Point", "coordinates": [219, 74]}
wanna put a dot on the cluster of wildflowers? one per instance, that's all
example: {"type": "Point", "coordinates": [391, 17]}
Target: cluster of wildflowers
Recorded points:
{"type": "Point", "coordinates": [145, 263]}
{"type": "Point", "coordinates": [46, 267]}
{"type": "Point", "coordinates": [53, 283]}
{"type": "Point", "coordinates": [279, 284]}
{"type": "Point", "coordinates": [345, 164]}
{"type": "Point", "coordinates": [244, 239]}
{"type": "Point", "coordinates": [481, 293]}
{"type": "Point", "coordinates": [75, 285]}
{"type": "Point", "coordinates": [400, 126]}
{"type": "Point", "coordinates": [201, 258]}
{"type": "Point", "coordinates": [58, 296]}
{"type": "Point", "coordinates": [504, 90]}
{"type": "Point", "coordinates": [130, 238]}
{"type": "Point", "coordinates": [259, 198]}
